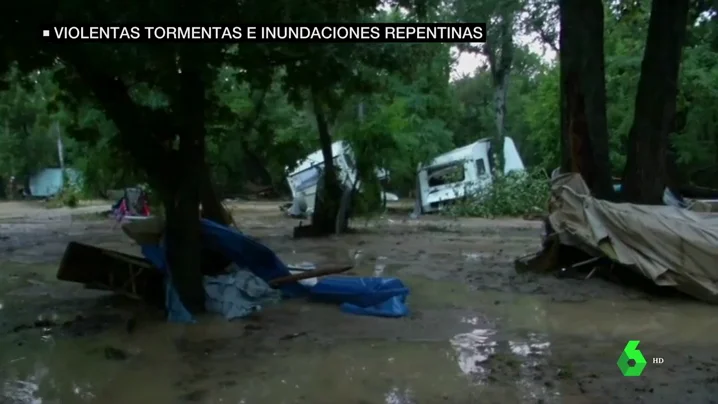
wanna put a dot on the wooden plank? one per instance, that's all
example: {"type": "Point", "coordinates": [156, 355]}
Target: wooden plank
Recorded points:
{"type": "Point", "coordinates": [308, 274]}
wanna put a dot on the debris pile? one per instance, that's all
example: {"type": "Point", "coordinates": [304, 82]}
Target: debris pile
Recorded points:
{"type": "Point", "coordinates": [254, 277]}
{"type": "Point", "coordinates": [668, 245]}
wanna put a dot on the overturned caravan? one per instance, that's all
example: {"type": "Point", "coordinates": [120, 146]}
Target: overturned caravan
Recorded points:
{"type": "Point", "coordinates": [670, 246]}
{"type": "Point", "coordinates": [460, 173]}
{"type": "Point", "coordinates": [304, 178]}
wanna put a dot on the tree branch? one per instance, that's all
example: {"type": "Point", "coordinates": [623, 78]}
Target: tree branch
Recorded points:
{"type": "Point", "coordinates": [139, 127]}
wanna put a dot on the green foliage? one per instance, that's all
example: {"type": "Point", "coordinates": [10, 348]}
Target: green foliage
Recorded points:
{"type": "Point", "coordinates": [259, 122]}
{"type": "Point", "coordinates": [69, 196]}
{"type": "Point", "coordinates": [697, 142]}
{"type": "Point", "coordinates": [26, 141]}
{"type": "Point", "coordinates": [513, 194]}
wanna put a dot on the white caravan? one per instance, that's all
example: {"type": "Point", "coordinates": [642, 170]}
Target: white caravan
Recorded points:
{"type": "Point", "coordinates": [461, 172]}
{"type": "Point", "coordinates": [303, 179]}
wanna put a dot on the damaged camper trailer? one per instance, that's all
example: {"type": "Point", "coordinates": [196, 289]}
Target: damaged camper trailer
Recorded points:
{"type": "Point", "coordinates": [304, 178]}
{"type": "Point", "coordinates": [461, 172]}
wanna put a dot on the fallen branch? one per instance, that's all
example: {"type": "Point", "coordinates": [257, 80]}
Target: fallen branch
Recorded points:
{"type": "Point", "coordinates": [308, 274]}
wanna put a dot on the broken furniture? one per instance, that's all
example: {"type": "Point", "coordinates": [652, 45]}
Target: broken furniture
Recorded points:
{"type": "Point", "coordinates": [103, 269]}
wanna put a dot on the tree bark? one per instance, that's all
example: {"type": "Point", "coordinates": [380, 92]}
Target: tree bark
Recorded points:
{"type": "Point", "coordinates": [183, 233]}
{"type": "Point", "coordinates": [326, 207]}
{"type": "Point", "coordinates": [500, 62]}
{"type": "Point", "coordinates": [497, 145]}
{"type": "Point", "coordinates": [584, 132]}
{"type": "Point", "coordinates": [645, 174]}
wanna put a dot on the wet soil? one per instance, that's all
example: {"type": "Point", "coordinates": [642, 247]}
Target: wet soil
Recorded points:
{"type": "Point", "coordinates": [478, 331]}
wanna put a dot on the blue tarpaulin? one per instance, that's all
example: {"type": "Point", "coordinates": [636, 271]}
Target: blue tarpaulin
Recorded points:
{"type": "Point", "coordinates": [385, 297]}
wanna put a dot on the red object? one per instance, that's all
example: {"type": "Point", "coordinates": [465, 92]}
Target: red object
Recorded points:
{"type": "Point", "coordinates": [123, 207]}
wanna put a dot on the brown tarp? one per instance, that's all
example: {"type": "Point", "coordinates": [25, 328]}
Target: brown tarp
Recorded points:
{"type": "Point", "coordinates": [671, 246]}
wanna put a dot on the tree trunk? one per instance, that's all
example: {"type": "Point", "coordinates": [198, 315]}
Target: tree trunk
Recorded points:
{"type": "Point", "coordinates": [584, 132]}
{"type": "Point", "coordinates": [497, 146]}
{"type": "Point", "coordinates": [183, 238]}
{"type": "Point", "coordinates": [500, 60]}
{"type": "Point", "coordinates": [645, 174]}
{"type": "Point", "coordinates": [328, 197]}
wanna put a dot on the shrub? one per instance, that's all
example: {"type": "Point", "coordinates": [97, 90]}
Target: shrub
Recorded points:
{"type": "Point", "coordinates": [517, 194]}
{"type": "Point", "coordinates": [70, 199]}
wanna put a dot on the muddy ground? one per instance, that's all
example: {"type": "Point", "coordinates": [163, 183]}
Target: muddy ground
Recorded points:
{"type": "Point", "coordinates": [478, 331]}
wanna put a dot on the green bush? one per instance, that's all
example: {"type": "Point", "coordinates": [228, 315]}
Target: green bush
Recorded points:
{"type": "Point", "coordinates": [70, 199]}
{"type": "Point", "coordinates": [517, 194]}
{"type": "Point", "coordinates": [68, 196]}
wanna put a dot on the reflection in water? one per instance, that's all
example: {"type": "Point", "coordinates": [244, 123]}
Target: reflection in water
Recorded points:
{"type": "Point", "coordinates": [396, 396]}
{"type": "Point", "coordinates": [380, 266]}
{"type": "Point", "coordinates": [473, 349]}
{"type": "Point", "coordinates": [472, 256]}
{"type": "Point", "coordinates": [533, 352]}
{"type": "Point", "coordinates": [476, 349]}
{"type": "Point", "coordinates": [83, 391]}
{"type": "Point", "coordinates": [25, 391]}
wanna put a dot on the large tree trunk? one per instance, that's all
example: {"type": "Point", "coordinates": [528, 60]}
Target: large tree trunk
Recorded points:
{"type": "Point", "coordinates": [500, 54]}
{"type": "Point", "coordinates": [183, 238]}
{"type": "Point", "coordinates": [584, 133]}
{"type": "Point", "coordinates": [645, 174]}
{"type": "Point", "coordinates": [329, 194]}
{"type": "Point", "coordinates": [497, 144]}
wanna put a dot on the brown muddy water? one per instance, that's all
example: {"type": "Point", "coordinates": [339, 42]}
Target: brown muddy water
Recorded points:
{"type": "Point", "coordinates": [478, 333]}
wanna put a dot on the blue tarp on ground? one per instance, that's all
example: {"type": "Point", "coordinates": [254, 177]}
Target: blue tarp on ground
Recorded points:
{"type": "Point", "coordinates": [385, 297]}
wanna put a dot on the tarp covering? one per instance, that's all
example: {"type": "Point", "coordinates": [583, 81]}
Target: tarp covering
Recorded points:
{"type": "Point", "coordinates": [666, 244]}
{"type": "Point", "coordinates": [248, 253]}
{"type": "Point", "coordinates": [374, 296]}
{"type": "Point", "coordinates": [48, 182]}
{"type": "Point", "coordinates": [384, 297]}
{"type": "Point", "coordinates": [238, 293]}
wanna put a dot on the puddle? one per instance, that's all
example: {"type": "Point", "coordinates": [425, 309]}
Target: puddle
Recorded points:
{"type": "Point", "coordinates": [299, 371]}
{"type": "Point", "coordinates": [476, 256]}
{"type": "Point", "coordinates": [380, 266]}
{"type": "Point", "coordinates": [473, 350]}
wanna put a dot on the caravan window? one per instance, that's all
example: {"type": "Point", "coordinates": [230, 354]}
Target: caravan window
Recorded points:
{"type": "Point", "coordinates": [310, 177]}
{"type": "Point", "coordinates": [350, 161]}
{"type": "Point", "coordinates": [307, 178]}
{"type": "Point", "coordinates": [480, 167]}
{"type": "Point", "coordinates": [446, 174]}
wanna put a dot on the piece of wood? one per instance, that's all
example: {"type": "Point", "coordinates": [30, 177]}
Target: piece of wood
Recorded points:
{"type": "Point", "coordinates": [590, 274]}
{"type": "Point", "coordinates": [102, 269]}
{"type": "Point", "coordinates": [308, 274]}
{"type": "Point", "coordinates": [586, 262]}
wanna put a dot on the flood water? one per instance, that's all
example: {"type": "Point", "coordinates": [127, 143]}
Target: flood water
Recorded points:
{"type": "Point", "coordinates": [478, 331]}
